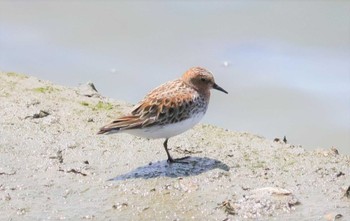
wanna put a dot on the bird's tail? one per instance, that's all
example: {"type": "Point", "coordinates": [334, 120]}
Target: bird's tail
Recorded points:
{"type": "Point", "coordinates": [105, 130]}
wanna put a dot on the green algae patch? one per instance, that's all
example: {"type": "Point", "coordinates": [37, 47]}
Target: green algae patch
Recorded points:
{"type": "Point", "coordinates": [45, 90]}
{"type": "Point", "coordinates": [99, 106]}
{"type": "Point", "coordinates": [85, 103]}
{"type": "Point", "coordinates": [103, 106]}
{"type": "Point", "coordinates": [13, 74]}
{"type": "Point", "coordinates": [4, 94]}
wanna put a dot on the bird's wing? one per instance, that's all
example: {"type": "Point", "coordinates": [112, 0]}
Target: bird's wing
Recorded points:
{"type": "Point", "coordinates": [159, 107]}
{"type": "Point", "coordinates": [124, 123]}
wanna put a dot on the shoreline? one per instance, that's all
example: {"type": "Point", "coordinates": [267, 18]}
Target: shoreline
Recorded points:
{"type": "Point", "coordinates": [54, 166]}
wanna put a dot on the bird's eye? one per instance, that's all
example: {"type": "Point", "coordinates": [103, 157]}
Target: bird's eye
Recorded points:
{"type": "Point", "coordinates": [203, 79]}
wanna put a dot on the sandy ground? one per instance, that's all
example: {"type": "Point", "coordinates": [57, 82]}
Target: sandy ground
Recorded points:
{"type": "Point", "coordinates": [53, 166]}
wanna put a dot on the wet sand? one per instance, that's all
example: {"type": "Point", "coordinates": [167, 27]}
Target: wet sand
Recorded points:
{"type": "Point", "coordinates": [54, 166]}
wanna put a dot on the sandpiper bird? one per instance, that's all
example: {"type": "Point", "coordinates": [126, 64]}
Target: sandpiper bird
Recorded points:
{"type": "Point", "coordinates": [170, 109]}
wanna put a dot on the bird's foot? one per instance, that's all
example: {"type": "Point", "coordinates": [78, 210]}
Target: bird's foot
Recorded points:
{"type": "Point", "coordinates": [178, 160]}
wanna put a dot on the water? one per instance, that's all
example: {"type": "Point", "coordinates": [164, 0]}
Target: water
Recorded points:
{"type": "Point", "coordinates": [286, 65]}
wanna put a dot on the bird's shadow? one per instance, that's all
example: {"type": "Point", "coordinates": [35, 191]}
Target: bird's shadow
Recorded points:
{"type": "Point", "coordinates": [192, 166]}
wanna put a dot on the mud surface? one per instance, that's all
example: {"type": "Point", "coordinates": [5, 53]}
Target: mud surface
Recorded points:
{"type": "Point", "coordinates": [54, 166]}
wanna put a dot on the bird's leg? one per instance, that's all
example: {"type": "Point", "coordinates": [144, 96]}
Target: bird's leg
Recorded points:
{"type": "Point", "coordinates": [170, 159]}
{"type": "Point", "coordinates": [165, 144]}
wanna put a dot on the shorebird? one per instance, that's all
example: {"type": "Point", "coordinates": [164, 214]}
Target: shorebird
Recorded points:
{"type": "Point", "coordinates": [170, 109]}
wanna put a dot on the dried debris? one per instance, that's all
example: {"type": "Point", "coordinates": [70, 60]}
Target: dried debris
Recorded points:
{"type": "Point", "coordinates": [285, 139]}
{"type": "Point", "coordinates": [340, 174]}
{"type": "Point", "coordinates": [279, 140]}
{"type": "Point", "coordinates": [58, 156]}
{"type": "Point", "coordinates": [260, 202]}
{"type": "Point", "coordinates": [41, 114]}
{"type": "Point", "coordinates": [8, 174]}
{"type": "Point", "coordinates": [228, 207]}
{"type": "Point", "coordinates": [73, 171]}
{"type": "Point", "coordinates": [186, 151]}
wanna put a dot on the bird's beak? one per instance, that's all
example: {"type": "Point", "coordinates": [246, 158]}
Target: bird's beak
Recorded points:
{"type": "Point", "coordinates": [217, 87]}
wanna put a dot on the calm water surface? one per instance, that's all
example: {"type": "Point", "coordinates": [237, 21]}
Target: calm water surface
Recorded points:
{"type": "Point", "coordinates": [286, 64]}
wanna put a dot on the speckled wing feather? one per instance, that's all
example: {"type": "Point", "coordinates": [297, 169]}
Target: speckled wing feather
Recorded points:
{"type": "Point", "coordinates": [171, 102]}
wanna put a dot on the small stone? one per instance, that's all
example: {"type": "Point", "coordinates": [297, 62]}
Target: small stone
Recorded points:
{"type": "Point", "coordinates": [120, 206]}
{"type": "Point", "coordinates": [347, 193]}
{"type": "Point", "coordinates": [335, 150]}
{"type": "Point", "coordinates": [333, 216]}
{"type": "Point", "coordinates": [88, 90]}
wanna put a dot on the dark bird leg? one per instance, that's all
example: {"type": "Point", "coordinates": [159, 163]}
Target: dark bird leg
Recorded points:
{"type": "Point", "coordinates": [165, 144]}
{"type": "Point", "coordinates": [170, 159]}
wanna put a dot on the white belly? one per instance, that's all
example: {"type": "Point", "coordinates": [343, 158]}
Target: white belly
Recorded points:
{"type": "Point", "coordinates": [166, 131]}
